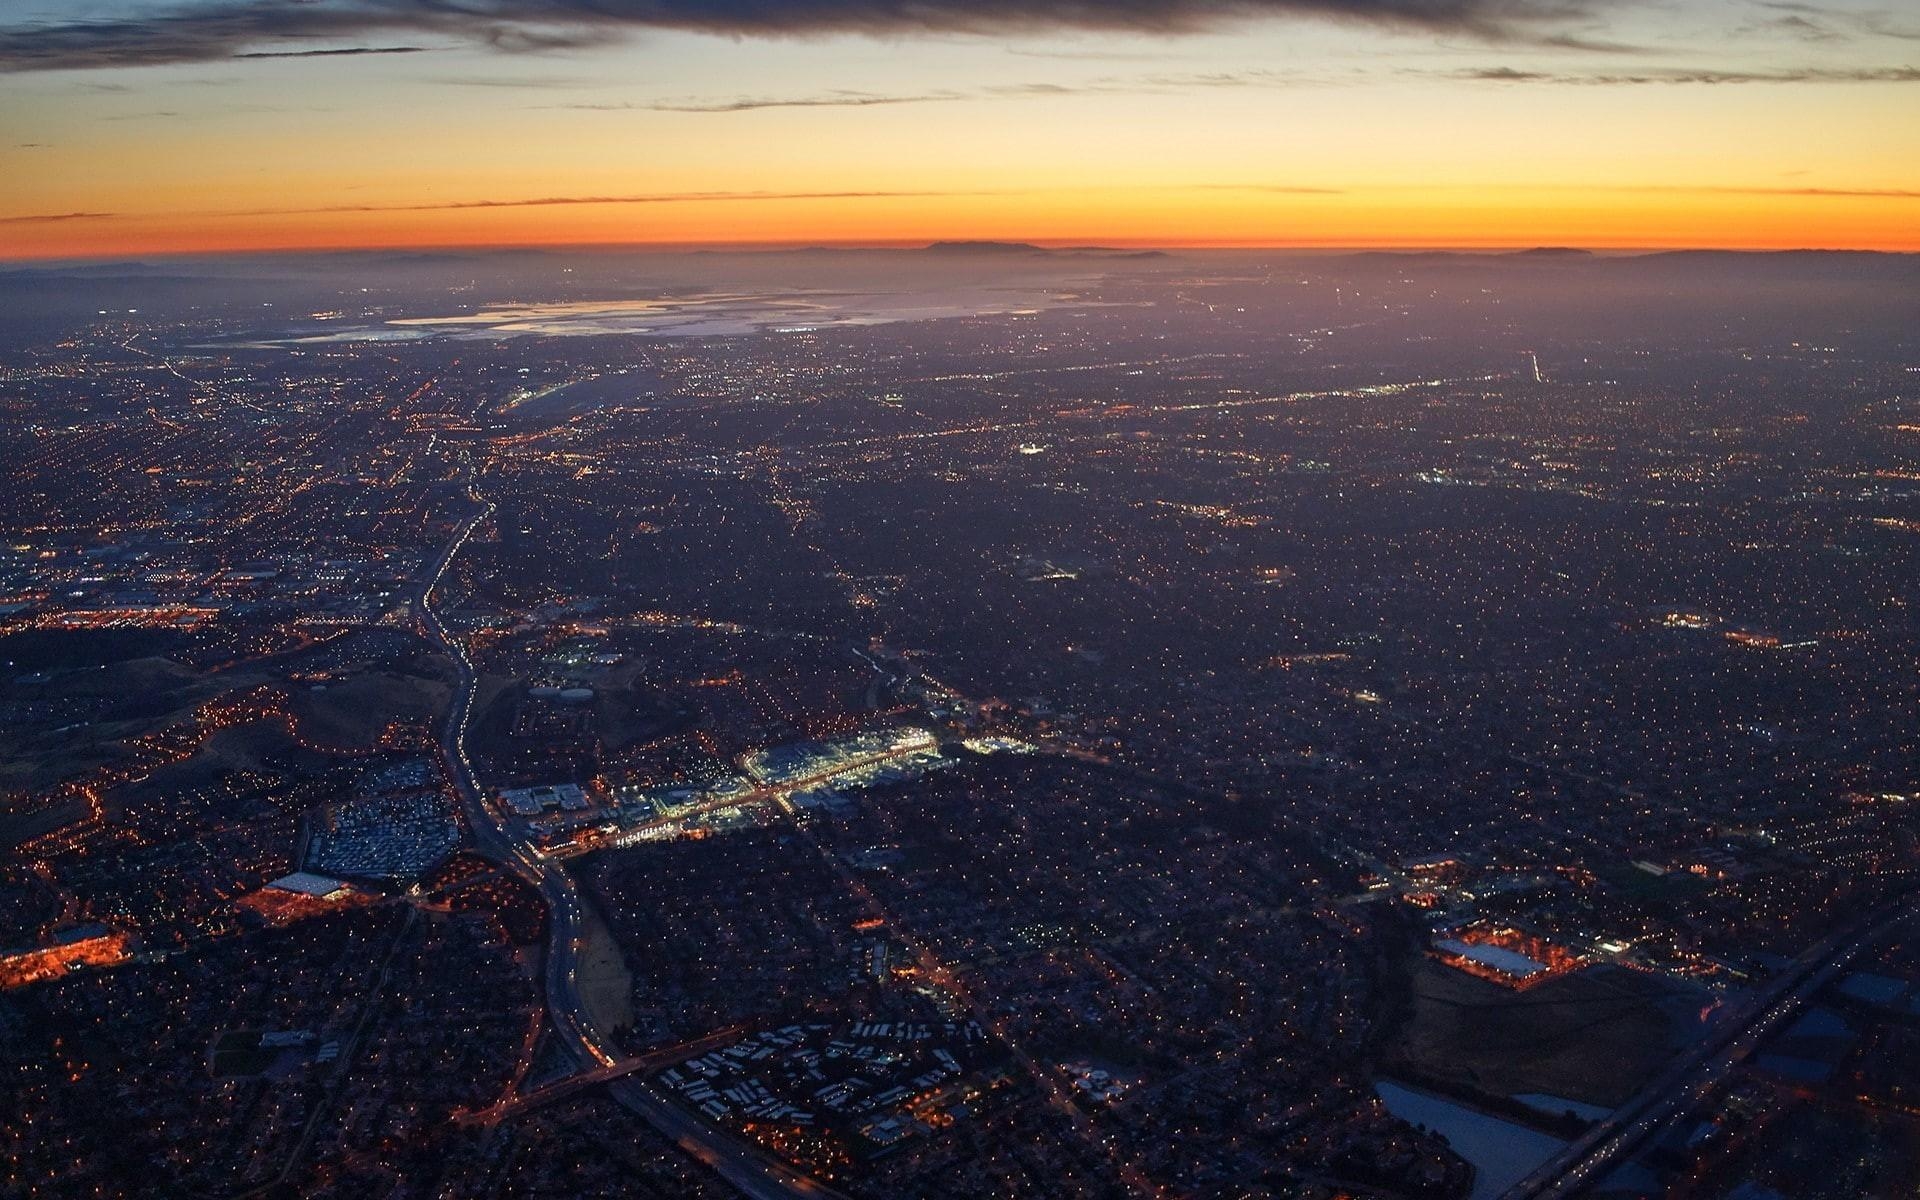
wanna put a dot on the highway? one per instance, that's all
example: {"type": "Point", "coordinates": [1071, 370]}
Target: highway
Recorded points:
{"type": "Point", "coordinates": [749, 1170]}
{"type": "Point", "coordinates": [490, 834]}
{"type": "Point", "coordinates": [1684, 1086]}
{"type": "Point", "coordinates": [512, 1105]}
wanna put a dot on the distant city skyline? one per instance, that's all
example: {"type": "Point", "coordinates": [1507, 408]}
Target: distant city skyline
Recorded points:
{"type": "Point", "coordinates": [137, 127]}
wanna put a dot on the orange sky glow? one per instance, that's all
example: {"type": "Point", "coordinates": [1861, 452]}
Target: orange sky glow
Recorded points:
{"type": "Point", "coordinates": [1699, 124]}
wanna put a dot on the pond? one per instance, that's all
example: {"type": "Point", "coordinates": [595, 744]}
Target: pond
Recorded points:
{"type": "Point", "coordinates": [1501, 1152]}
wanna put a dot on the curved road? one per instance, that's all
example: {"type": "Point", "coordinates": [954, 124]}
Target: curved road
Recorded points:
{"type": "Point", "coordinates": [490, 834]}
{"type": "Point", "coordinates": [749, 1170]}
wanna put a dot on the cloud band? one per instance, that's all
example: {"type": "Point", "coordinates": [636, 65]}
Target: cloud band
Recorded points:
{"type": "Point", "coordinates": [228, 29]}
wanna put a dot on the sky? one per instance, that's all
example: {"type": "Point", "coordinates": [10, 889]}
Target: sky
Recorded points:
{"type": "Point", "coordinates": [144, 127]}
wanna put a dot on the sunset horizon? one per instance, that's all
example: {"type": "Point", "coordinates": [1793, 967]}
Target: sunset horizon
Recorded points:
{"type": "Point", "coordinates": [90, 253]}
{"type": "Point", "coordinates": [960, 599]}
{"type": "Point", "coordinates": [145, 127]}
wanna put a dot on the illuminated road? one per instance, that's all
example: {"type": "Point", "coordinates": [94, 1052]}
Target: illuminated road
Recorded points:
{"type": "Point", "coordinates": [490, 834]}
{"type": "Point", "coordinates": [513, 1105]}
{"type": "Point", "coordinates": [750, 1171]}
{"type": "Point", "coordinates": [1688, 1083]}
{"type": "Point", "coordinates": [747, 1169]}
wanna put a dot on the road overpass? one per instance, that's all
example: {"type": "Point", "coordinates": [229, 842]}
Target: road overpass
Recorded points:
{"type": "Point", "coordinates": [572, 1085]}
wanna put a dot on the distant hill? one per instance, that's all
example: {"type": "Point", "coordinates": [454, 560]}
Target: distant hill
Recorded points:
{"type": "Point", "coordinates": [1676, 266]}
{"type": "Point", "coordinates": [1113, 252]}
{"type": "Point", "coordinates": [1773, 266]}
{"type": "Point", "coordinates": [101, 270]}
{"type": "Point", "coordinates": [1012, 249]}
{"type": "Point", "coordinates": [983, 248]}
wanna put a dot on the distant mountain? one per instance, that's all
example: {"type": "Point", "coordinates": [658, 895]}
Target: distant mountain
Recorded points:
{"type": "Point", "coordinates": [1771, 266]}
{"type": "Point", "coordinates": [101, 270]}
{"type": "Point", "coordinates": [1677, 266]}
{"type": "Point", "coordinates": [1779, 257]}
{"type": "Point", "coordinates": [1013, 249]}
{"type": "Point", "coordinates": [123, 275]}
{"type": "Point", "coordinates": [1112, 252]}
{"type": "Point", "coordinates": [984, 248]}
{"type": "Point", "coordinates": [1540, 254]}
{"type": "Point", "coordinates": [436, 257]}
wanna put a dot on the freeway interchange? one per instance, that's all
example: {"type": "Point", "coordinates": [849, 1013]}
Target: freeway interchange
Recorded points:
{"type": "Point", "coordinates": [747, 1169]}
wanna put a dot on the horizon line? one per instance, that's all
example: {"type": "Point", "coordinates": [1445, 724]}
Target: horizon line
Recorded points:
{"type": "Point", "coordinates": [1048, 244]}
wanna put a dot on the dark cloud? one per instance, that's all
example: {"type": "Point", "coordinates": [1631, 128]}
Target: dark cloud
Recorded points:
{"type": "Point", "coordinates": [1588, 44]}
{"type": "Point", "coordinates": [568, 201]}
{"type": "Point", "coordinates": [1115, 85]}
{"type": "Point", "coordinates": [168, 114]}
{"type": "Point", "coordinates": [1504, 75]}
{"type": "Point", "coordinates": [1872, 22]}
{"type": "Point", "coordinates": [226, 29]}
{"type": "Point", "coordinates": [1684, 75]}
{"type": "Point", "coordinates": [338, 52]}
{"type": "Point", "coordinates": [51, 218]}
{"type": "Point", "coordinates": [1879, 25]}
{"type": "Point", "coordinates": [1804, 28]}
